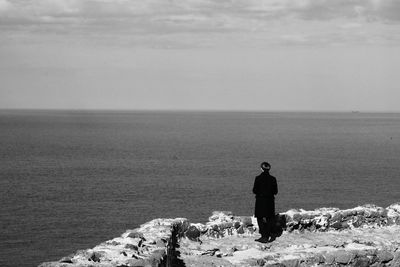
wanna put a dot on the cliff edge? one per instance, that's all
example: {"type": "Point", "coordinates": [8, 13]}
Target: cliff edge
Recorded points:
{"type": "Point", "coordinates": [363, 236]}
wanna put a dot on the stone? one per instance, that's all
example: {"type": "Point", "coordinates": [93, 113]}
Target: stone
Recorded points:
{"type": "Point", "coordinates": [343, 256]}
{"type": "Point", "coordinates": [345, 225]}
{"type": "Point", "coordinates": [113, 243]}
{"type": "Point", "coordinates": [136, 234]}
{"type": "Point", "coordinates": [240, 230]}
{"type": "Point", "coordinates": [297, 217]}
{"type": "Point", "coordinates": [361, 262]}
{"type": "Point", "coordinates": [160, 242]}
{"type": "Point", "coordinates": [320, 258]}
{"type": "Point", "coordinates": [136, 263]}
{"type": "Point", "coordinates": [396, 259]}
{"type": "Point", "coordinates": [95, 257]}
{"type": "Point", "coordinates": [236, 224]}
{"type": "Point", "coordinates": [193, 233]}
{"type": "Point", "coordinates": [373, 214]}
{"type": "Point", "coordinates": [347, 213]}
{"type": "Point", "coordinates": [246, 221]}
{"type": "Point", "coordinates": [291, 263]}
{"type": "Point", "coordinates": [179, 226]}
{"type": "Point", "coordinates": [222, 216]}
{"type": "Point", "coordinates": [337, 217]}
{"type": "Point", "coordinates": [358, 221]}
{"type": "Point", "coordinates": [260, 262]}
{"type": "Point", "coordinates": [66, 260]}
{"type": "Point", "coordinates": [337, 225]}
{"type": "Point", "coordinates": [225, 225]}
{"type": "Point", "coordinates": [157, 257]}
{"type": "Point", "coordinates": [384, 213]}
{"type": "Point", "coordinates": [329, 258]}
{"type": "Point", "coordinates": [384, 256]}
{"type": "Point", "coordinates": [135, 243]}
{"type": "Point", "coordinates": [131, 247]}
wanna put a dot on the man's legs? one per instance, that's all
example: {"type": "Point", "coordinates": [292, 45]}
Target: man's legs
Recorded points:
{"type": "Point", "coordinates": [269, 228]}
{"type": "Point", "coordinates": [262, 226]}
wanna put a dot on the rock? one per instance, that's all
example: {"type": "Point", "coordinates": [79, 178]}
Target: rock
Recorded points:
{"type": "Point", "coordinates": [225, 225]}
{"type": "Point", "coordinates": [136, 263]}
{"type": "Point", "coordinates": [383, 213]}
{"type": "Point", "coordinates": [373, 214]}
{"type": "Point", "coordinates": [358, 221]}
{"type": "Point", "coordinates": [297, 217]}
{"type": "Point", "coordinates": [192, 233]}
{"type": "Point", "coordinates": [157, 257]}
{"type": "Point", "coordinates": [396, 260]}
{"type": "Point", "coordinates": [136, 234]}
{"type": "Point", "coordinates": [347, 213]}
{"type": "Point", "coordinates": [236, 225]}
{"type": "Point", "coordinates": [66, 260]}
{"type": "Point", "coordinates": [329, 258]}
{"type": "Point", "coordinates": [377, 264]}
{"type": "Point", "coordinates": [131, 246]}
{"type": "Point", "coordinates": [319, 258]}
{"type": "Point", "coordinates": [291, 263]}
{"type": "Point", "coordinates": [337, 225]}
{"type": "Point", "coordinates": [113, 243]}
{"type": "Point", "coordinates": [160, 242]}
{"type": "Point", "coordinates": [221, 216]}
{"type": "Point", "coordinates": [361, 262]}
{"type": "Point", "coordinates": [180, 226]}
{"type": "Point", "coordinates": [218, 254]}
{"type": "Point", "coordinates": [95, 257]}
{"type": "Point", "coordinates": [384, 256]}
{"type": "Point", "coordinates": [345, 225]}
{"type": "Point", "coordinates": [337, 217]}
{"type": "Point", "coordinates": [246, 221]}
{"type": "Point", "coordinates": [260, 262]}
{"type": "Point", "coordinates": [210, 252]}
{"type": "Point", "coordinates": [134, 243]}
{"type": "Point", "coordinates": [240, 230]}
{"type": "Point", "coordinates": [343, 256]}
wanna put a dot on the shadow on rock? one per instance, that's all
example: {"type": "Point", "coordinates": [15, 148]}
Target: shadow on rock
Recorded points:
{"type": "Point", "coordinates": [279, 225]}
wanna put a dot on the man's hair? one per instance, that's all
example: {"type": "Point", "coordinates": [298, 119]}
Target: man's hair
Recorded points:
{"type": "Point", "coordinates": [265, 166]}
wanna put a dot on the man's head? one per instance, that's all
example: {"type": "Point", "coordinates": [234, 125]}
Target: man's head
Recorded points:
{"type": "Point", "coordinates": [265, 166]}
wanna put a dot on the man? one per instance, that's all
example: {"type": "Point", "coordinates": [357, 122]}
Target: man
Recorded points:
{"type": "Point", "coordinates": [265, 188]}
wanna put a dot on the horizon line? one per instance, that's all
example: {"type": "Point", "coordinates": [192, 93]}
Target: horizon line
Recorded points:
{"type": "Point", "coordinates": [199, 110]}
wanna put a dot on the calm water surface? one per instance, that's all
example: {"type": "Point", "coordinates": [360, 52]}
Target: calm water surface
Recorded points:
{"type": "Point", "coordinates": [70, 180]}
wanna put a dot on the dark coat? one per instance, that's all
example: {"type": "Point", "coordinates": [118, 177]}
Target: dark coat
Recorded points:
{"type": "Point", "coordinates": [265, 188]}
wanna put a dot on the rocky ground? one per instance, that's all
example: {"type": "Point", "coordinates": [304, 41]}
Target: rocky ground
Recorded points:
{"type": "Point", "coordinates": [357, 247]}
{"type": "Point", "coordinates": [363, 236]}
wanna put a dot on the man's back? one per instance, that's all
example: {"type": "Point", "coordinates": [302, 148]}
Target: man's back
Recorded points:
{"type": "Point", "coordinates": [265, 185]}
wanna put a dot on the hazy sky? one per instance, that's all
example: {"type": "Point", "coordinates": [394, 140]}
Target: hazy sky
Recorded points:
{"type": "Point", "coordinates": [200, 54]}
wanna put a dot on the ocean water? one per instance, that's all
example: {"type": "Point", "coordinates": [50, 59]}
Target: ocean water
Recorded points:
{"type": "Point", "coordinates": [70, 180]}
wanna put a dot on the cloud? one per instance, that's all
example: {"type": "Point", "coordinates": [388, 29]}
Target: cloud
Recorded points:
{"type": "Point", "coordinates": [4, 5]}
{"type": "Point", "coordinates": [388, 10]}
{"type": "Point", "coordinates": [287, 20]}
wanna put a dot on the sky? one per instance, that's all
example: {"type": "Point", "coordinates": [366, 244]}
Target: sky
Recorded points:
{"type": "Point", "coordinates": [273, 55]}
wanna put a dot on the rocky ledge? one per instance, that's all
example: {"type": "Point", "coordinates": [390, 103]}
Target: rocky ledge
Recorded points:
{"type": "Point", "coordinates": [363, 236]}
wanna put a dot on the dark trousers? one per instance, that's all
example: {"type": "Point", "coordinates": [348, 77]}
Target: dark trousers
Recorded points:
{"type": "Point", "coordinates": [265, 228]}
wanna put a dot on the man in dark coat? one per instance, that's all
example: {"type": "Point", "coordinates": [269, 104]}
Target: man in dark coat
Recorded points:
{"type": "Point", "coordinates": [265, 188]}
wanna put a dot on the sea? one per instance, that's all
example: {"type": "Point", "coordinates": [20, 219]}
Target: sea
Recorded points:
{"type": "Point", "coordinates": [72, 179]}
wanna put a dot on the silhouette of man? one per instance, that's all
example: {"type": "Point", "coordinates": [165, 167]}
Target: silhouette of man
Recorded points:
{"type": "Point", "coordinates": [265, 188]}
